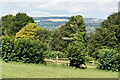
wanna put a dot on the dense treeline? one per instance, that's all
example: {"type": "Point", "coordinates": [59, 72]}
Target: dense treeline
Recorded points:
{"type": "Point", "coordinates": [106, 40]}
{"type": "Point", "coordinates": [107, 35]}
{"type": "Point", "coordinates": [24, 41]}
{"type": "Point", "coordinates": [12, 24]}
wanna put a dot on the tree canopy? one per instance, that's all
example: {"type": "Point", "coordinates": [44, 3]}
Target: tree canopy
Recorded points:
{"type": "Point", "coordinates": [104, 41]}
{"type": "Point", "coordinates": [29, 31]}
{"type": "Point", "coordinates": [12, 24]}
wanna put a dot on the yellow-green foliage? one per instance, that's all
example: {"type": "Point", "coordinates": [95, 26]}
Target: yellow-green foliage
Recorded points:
{"type": "Point", "coordinates": [87, 58]}
{"type": "Point", "coordinates": [28, 31]}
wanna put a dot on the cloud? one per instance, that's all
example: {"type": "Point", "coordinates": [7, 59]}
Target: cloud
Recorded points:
{"type": "Point", "coordinates": [50, 4]}
{"type": "Point", "coordinates": [60, 8]}
{"type": "Point", "coordinates": [38, 14]}
{"type": "Point", "coordinates": [57, 0]}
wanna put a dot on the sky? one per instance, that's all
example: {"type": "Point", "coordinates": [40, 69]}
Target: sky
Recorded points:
{"type": "Point", "coordinates": [44, 8]}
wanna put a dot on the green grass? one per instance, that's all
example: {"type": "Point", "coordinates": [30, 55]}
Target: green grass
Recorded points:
{"type": "Point", "coordinates": [21, 70]}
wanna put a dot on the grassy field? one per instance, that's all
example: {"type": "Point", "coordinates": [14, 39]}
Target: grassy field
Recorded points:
{"type": "Point", "coordinates": [21, 70]}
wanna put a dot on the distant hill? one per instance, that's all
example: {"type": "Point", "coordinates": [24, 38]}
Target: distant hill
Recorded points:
{"type": "Point", "coordinates": [51, 23]}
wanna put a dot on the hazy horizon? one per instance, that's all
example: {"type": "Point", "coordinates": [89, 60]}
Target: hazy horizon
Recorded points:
{"type": "Point", "coordinates": [64, 16]}
{"type": "Point", "coordinates": [95, 9]}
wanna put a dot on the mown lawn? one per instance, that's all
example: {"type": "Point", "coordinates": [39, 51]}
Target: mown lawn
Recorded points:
{"type": "Point", "coordinates": [21, 70]}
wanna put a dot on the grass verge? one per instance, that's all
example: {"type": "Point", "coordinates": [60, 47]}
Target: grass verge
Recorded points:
{"type": "Point", "coordinates": [21, 70]}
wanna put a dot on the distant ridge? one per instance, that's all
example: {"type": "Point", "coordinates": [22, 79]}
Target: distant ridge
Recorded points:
{"type": "Point", "coordinates": [51, 23]}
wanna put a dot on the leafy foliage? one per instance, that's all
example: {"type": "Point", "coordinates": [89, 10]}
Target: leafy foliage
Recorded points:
{"type": "Point", "coordinates": [7, 48]}
{"type": "Point", "coordinates": [12, 24]}
{"type": "Point", "coordinates": [87, 58]}
{"type": "Point", "coordinates": [108, 59]}
{"type": "Point", "coordinates": [56, 41]}
{"type": "Point", "coordinates": [106, 36]}
{"type": "Point", "coordinates": [43, 35]}
{"type": "Point", "coordinates": [70, 30]}
{"type": "Point", "coordinates": [54, 54]}
{"type": "Point", "coordinates": [29, 31]}
{"type": "Point", "coordinates": [113, 19]}
{"type": "Point", "coordinates": [70, 38]}
{"type": "Point", "coordinates": [75, 53]}
{"type": "Point", "coordinates": [28, 51]}
{"type": "Point", "coordinates": [75, 48]}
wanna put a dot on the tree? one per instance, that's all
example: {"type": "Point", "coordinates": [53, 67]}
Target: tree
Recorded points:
{"type": "Point", "coordinates": [76, 30]}
{"type": "Point", "coordinates": [106, 36]}
{"type": "Point", "coordinates": [7, 25]}
{"type": "Point", "coordinates": [75, 54]}
{"type": "Point", "coordinates": [56, 41]}
{"type": "Point", "coordinates": [43, 35]}
{"type": "Point", "coordinates": [101, 39]}
{"type": "Point", "coordinates": [12, 24]}
{"type": "Point", "coordinates": [29, 31]}
{"type": "Point", "coordinates": [70, 38]}
{"type": "Point", "coordinates": [67, 33]}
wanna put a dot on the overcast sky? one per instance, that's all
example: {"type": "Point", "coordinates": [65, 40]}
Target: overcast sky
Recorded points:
{"type": "Point", "coordinates": [40, 8]}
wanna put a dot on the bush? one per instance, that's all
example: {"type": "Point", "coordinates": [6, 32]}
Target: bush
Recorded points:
{"type": "Point", "coordinates": [53, 54]}
{"type": "Point", "coordinates": [7, 48]}
{"type": "Point", "coordinates": [75, 54]}
{"type": "Point", "coordinates": [108, 59]}
{"type": "Point", "coordinates": [87, 58]}
{"type": "Point", "coordinates": [28, 51]}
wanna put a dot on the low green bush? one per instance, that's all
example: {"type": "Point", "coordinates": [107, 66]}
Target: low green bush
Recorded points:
{"type": "Point", "coordinates": [7, 48]}
{"type": "Point", "coordinates": [87, 58]}
{"type": "Point", "coordinates": [108, 59]}
{"type": "Point", "coordinates": [53, 54]}
{"type": "Point", "coordinates": [28, 51]}
{"type": "Point", "coordinates": [75, 54]}
{"type": "Point", "coordinates": [23, 50]}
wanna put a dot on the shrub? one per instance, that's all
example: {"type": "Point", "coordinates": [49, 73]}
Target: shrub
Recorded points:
{"type": "Point", "coordinates": [108, 59]}
{"type": "Point", "coordinates": [87, 58]}
{"type": "Point", "coordinates": [75, 55]}
{"type": "Point", "coordinates": [7, 47]}
{"type": "Point", "coordinates": [53, 54]}
{"type": "Point", "coordinates": [28, 51]}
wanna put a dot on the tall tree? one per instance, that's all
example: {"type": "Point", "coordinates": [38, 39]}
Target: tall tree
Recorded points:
{"type": "Point", "coordinates": [78, 33]}
{"type": "Point", "coordinates": [70, 38]}
{"type": "Point", "coordinates": [106, 36]}
{"type": "Point", "coordinates": [12, 24]}
{"type": "Point", "coordinates": [67, 33]}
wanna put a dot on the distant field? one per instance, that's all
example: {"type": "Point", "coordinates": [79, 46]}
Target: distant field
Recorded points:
{"type": "Point", "coordinates": [52, 23]}
{"type": "Point", "coordinates": [21, 70]}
